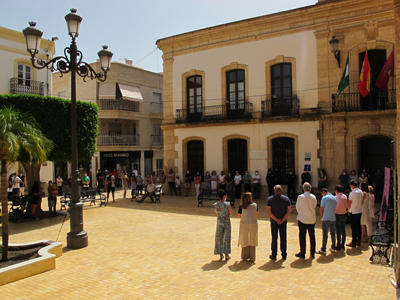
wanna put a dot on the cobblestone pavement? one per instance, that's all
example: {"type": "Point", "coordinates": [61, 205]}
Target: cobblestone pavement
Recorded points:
{"type": "Point", "coordinates": [165, 251]}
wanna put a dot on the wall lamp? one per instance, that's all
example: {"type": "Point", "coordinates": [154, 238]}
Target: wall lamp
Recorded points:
{"type": "Point", "coordinates": [334, 42]}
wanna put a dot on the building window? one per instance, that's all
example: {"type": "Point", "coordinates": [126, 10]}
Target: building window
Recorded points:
{"type": "Point", "coordinates": [114, 128]}
{"type": "Point", "coordinates": [194, 86]}
{"type": "Point", "coordinates": [24, 75]}
{"type": "Point", "coordinates": [157, 103]}
{"type": "Point", "coordinates": [157, 135]}
{"type": "Point", "coordinates": [283, 157]}
{"type": "Point", "coordinates": [62, 94]}
{"type": "Point", "coordinates": [159, 166]}
{"type": "Point", "coordinates": [281, 89]}
{"type": "Point", "coordinates": [237, 156]}
{"type": "Point", "coordinates": [195, 157]}
{"type": "Point", "coordinates": [235, 84]}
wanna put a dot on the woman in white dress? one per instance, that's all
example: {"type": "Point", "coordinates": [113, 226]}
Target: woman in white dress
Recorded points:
{"type": "Point", "coordinates": [370, 230]}
{"type": "Point", "coordinates": [248, 230]}
{"type": "Point", "coordinates": [365, 212]}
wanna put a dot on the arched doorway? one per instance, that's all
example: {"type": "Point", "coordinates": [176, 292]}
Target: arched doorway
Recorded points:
{"type": "Point", "coordinates": [283, 153]}
{"type": "Point", "coordinates": [374, 152]}
{"type": "Point", "coordinates": [237, 155]}
{"type": "Point", "coordinates": [195, 157]}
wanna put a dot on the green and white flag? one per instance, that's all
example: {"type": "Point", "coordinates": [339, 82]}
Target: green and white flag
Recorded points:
{"type": "Point", "coordinates": [344, 82]}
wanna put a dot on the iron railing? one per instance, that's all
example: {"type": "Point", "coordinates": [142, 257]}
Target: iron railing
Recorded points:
{"type": "Point", "coordinates": [117, 139]}
{"type": "Point", "coordinates": [274, 107]}
{"type": "Point", "coordinates": [379, 100]}
{"type": "Point", "coordinates": [118, 104]}
{"type": "Point", "coordinates": [157, 108]}
{"type": "Point", "coordinates": [157, 140]}
{"type": "Point", "coordinates": [26, 86]}
{"type": "Point", "coordinates": [215, 112]}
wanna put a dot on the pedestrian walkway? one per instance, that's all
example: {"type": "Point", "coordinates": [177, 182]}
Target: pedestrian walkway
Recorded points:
{"type": "Point", "coordinates": [165, 251]}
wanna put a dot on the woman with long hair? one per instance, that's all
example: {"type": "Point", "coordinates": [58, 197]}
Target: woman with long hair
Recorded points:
{"type": "Point", "coordinates": [365, 212]}
{"type": "Point", "coordinates": [248, 230]}
{"type": "Point", "coordinates": [223, 233]}
{"type": "Point", "coordinates": [33, 198]}
{"type": "Point", "coordinates": [125, 183]}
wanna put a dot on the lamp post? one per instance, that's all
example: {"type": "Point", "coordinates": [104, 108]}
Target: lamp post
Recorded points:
{"type": "Point", "coordinates": [70, 62]}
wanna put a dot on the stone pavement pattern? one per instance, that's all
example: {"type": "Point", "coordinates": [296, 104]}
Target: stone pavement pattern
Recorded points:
{"type": "Point", "coordinates": [165, 251]}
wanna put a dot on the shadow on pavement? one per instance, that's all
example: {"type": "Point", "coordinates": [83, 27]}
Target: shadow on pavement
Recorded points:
{"type": "Point", "coordinates": [241, 266]}
{"type": "Point", "coordinates": [301, 263]}
{"type": "Point", "coordinates": [272, 265]}
{"type": "Point", "coordinates": [214, 265]}
{"type": "Point", "coordinates": [325, 259]}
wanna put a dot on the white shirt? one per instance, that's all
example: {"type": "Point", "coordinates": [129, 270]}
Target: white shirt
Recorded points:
{"type": "Point", "coordinates": [256, 178]}
{"type": "Point", "coordinates": [16, 182]}
{"type": "Point", "coordinates": [238, 179]}
{"type": "Point", "coordinates": [178, 183]}
{"type": "Point", "coordinates": [305, 206]}
{"type": "Point", "coordinates": [222, 179]}
{"type": "Point", "coordinates": [59, 181]}
{"type": "Point", "coordinates": [356, 197]}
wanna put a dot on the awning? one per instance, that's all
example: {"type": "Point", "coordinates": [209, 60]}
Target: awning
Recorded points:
{"type": "Point", "coordinates": [107, 90]}
{"type": "Point", "coordinates": [130, 92]}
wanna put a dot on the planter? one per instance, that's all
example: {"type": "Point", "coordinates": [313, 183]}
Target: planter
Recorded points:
{"type": "Point", "coordinates": [46, 261]}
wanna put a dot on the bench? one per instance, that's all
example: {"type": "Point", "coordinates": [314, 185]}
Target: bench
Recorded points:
{"type": "Point", "coordinates": [86, 196]}
{"type": "Point", "coordinates": [381, 241]}
{"type": "Point", "coordinates": [207, 195]}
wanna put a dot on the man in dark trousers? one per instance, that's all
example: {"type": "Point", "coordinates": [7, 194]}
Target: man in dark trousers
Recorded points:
{"type": "Point", "coordinates": [305, 177]}
{"type": "Point", "coordinates": [279, 209]}
{"type": "Point", "coordinates": [271, 179]}
{"type": "Point", "coordinates": [291, 184]}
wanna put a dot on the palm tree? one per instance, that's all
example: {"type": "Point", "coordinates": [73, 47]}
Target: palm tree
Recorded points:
{"type": "Point", "coordinates": [18, 131]}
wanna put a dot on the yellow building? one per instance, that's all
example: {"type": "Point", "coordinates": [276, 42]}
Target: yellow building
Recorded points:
{"type": "Point", "coordinates": [257, 93]}
{"type": "Point", "coordinates": [130, 117]}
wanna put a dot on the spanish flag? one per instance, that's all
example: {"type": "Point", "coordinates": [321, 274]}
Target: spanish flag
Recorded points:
{"type": "Point", "coordinates": [365, 77]}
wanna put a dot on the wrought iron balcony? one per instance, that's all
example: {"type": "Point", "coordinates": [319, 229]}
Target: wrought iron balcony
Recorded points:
{"type": "Point", "coordinates": [118, 140]}
{"type": "Point", "coordinates": [379, 100]}
{"type": "Point", "coordinates": [215, 112]}
{"type": "Point", "coordinates": [118, 104]}
{"type": "Point", "coordinates": [157, 108]}
{"type": "Point", "coordinates": [26, 86]}
{"type": "Point", "coordinates": [157, 140]}
{"type": "Point", "coordinates": [274, 107]}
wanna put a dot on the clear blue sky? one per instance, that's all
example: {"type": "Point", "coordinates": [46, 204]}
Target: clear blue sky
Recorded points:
{"type": "Point", "coordinates": [129, 27]}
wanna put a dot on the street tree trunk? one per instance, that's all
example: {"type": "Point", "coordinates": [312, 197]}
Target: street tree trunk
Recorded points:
{"type": "Point", "coordinates": [32, 171]}
{"type": "Point", "coordinates": [4, 209]}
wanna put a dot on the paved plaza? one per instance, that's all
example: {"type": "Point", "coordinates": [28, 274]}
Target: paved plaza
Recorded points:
{"type": "Point", "coordinates": [165, 251]}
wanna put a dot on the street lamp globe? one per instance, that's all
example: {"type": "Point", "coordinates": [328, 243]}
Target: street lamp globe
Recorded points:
{"type": "Point", "coordinates": [73, 22]}
{"type": "Point", "coordinates": [32, 36]}
{"type": "Point", "coordinates": [334, 42]}
{"type": "Point", "coordinates": [105, 56]}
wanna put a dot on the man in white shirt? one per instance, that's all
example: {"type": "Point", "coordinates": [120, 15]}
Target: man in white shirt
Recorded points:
{"type": "Point", "coordinates": [150, 192]}
{"type": "Point", "coordinates": [306, 217]}
{"type": "Point", "coordinates": [256, 185]}
{"type": "Point", "coordinates": [355, 210]}
{"type": "Point", "coordinates": [15, 184]}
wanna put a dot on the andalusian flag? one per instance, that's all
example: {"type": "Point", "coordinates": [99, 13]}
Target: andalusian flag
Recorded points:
{"type": "Point", "coordinates": [365, 77]}
{"type": "Point", "coordinates": [345, 81]}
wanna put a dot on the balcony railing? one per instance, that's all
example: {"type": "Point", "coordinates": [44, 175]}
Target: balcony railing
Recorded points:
{"type": "Point", "coordinates": [157, 140]}
{"type": "Point", "coordinates": [25, 86]}
{"type": "Point", "coordinates": [118, 140]}
{"type": "Point", "coordinates": [118, 104]}
{"type": "Point", "coordinates": [157, 108]}
{"type": "Point", "coordinates": [215, 112]}
{"type": "Point", "coordinates": [274, 107]}
{"type": "Point", "coordinates": [355, 102]}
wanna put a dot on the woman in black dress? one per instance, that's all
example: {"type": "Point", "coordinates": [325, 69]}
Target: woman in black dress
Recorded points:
{"type": "Point", "coordinates": [33, 198]}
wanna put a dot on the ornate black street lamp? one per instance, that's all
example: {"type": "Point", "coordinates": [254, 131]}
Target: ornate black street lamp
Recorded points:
{"type": "Point", "coordinates": [70, 62]}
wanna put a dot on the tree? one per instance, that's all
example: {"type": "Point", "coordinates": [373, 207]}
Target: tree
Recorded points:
{"type": "Point", "coordinates": [17, 131]}
{"type": "Point", "coordinates": [54, 116]}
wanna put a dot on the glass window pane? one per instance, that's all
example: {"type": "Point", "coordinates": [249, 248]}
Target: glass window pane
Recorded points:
{"type": "Point", "coordinates": [232, 96]}
{"type": "Point", "coordinates": [198, 91]}
{"type": "Point", "coordinates": [277, 83]}
{"type": "Point", "coordinates": [286, 82]}
{"type": "Point", "coordinates": [286, 69]}
{"type": "Point", "coordinates": [231, 76]}
{"type": "Point", "coordinates": [240, 75]}
{"type": "Point", "coordinates": [232, 87]}
{"type": "Point", "coordinates": [241, 96]}
{"type": "Point", "coordinates": [240, 86]}
{"type": "Point", "coordinates": [20, 68]}
{"type": "Point", "coordinates": [276, 71]}
{"type": "Point", "coordinates": [198, 80]}
{"type": "Point", "coordinates": [191, 92]}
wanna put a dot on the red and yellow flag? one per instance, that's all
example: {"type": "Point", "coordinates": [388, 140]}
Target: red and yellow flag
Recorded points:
{"type": "Point", "coordinates": [365, 77]}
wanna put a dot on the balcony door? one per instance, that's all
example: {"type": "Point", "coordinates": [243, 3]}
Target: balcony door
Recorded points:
{"type": "Point", "coordinates": [195, 157]}
{"type": "Point", "coordinates": [283, 157]}
{"type": "Point", "coordinates": [24, 78]}
{"type": "Point", "coordinates": [237, 156]}
{"type": "Point", "coordinates": [281, 89]}
{"type": "Point", "coordinates": [194, 86]}
{"type": "Point", "coordinates": [235, 84]}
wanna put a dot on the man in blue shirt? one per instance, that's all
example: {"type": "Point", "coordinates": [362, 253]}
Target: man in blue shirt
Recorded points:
{"type": "Point", "coordinates": [328, 213]}
{"type": "Point", "coordinates": [344, 178]}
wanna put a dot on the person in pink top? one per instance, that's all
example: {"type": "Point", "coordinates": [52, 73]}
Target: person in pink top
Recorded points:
{"type": "Point", "coordinates": [197, 183]}
{"type": "Point", "coordinates": [341, 214]}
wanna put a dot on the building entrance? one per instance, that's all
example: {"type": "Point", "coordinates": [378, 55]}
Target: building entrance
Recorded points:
{"type": "Point", "coordinates": [237, 156]}
{"type": "Point", "coordinates": [374, 152]}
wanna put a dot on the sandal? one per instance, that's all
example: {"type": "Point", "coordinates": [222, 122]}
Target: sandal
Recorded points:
{"type": "Point", "coordinates": [227, 257]}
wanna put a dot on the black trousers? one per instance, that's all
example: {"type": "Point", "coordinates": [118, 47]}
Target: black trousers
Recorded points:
{"type": "Point", "coordinates": [172, 186]}
{"type": "Point", "coordinates": [291, 190]}
{"type": "Point", "coordinates": [282, 229]}
{"type": "Point", "coordinates": [247, 187]}
{"type": "Point", "coordinates": [355, 222]}
{"type": "Point", "coordinates": [303, 228]}
{"type": "Point", "coordinates": [271, 189]}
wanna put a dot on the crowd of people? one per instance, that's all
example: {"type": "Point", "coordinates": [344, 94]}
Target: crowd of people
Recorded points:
{"type": "Point", "coordinates": [359, 207]}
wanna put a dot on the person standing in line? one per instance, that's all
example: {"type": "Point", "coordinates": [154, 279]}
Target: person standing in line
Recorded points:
{"type": "Point", "coordinates": [222, 181]}
{"type": "Point", "coordinates": [248, 229]}
{"type": "Point", "coordinates": [120, 172]}
{"type": "Point", "coordinates": [207, 184]}
{"type": "Point", "coordinates": [362, 179]}
{"type": "Point", "coordinates": [247, 182]}
{"type": "Point", "coordinates": [188, 180]}
{"type": "Point", "coordinates": [223, 232]}
{"type": "Point", "coordinates": [355, 209]}
{"type": "Point", "coordinates": [365, 220]}
{"type": "Point", "coordinates": [110, 183]}
{"type": "Point", "coordinates": [135, 171]}
{"type": "Point", "coordinates": [125, 183]}
{"type": "Point", "coordinates": [238, 185]}
{"type": "Point", "coordinates": [178, 185]}
{"type": "Point", "coordinates": [291, 183]}
{"type": "Point", "coordinates": [306, 219]}
{"type": "Point", "coordinates": [353, 176]}
{"type": "Point", "coordinates": [22, 184]}
{"type": "Point", "coordinates": [271, 179]}
{"type": "Point", "coordinates": [197, 183]}
{"type": "Point", "coordinates": [139, 180]}
{"type": "Point", "coordinates": [344, 178]}
{"type": "Point", "coordinates": [147, 181]}
{"type": "Point", "coordinates": [15, 184]}
{"type": "Point", "coordinates": [133, 185]}
{"type": "Point", "coordinates": [279, 209]}
{"type": "Point", "coordinates": [229, 186]}
{"type": "Point", "coordinates": [371, 211]}
{"type": "Point", "coordinates": [162, 181]}
{"type": "Point", "coordinates": [100, 179]}
{"type": "Point", "coordinates": [33, 198]}
{"type": "Point", "coordinates": [214, 183]}
{"type": "Point", "coordinates": [256, 185]}
{"type": "Point", "coordinates": [305, 177]}
{"type": "Point", "coordinates": [321, 180]}
{"type": "Point", "coordinates": [59, 181]}
{"type": "Point", "coordinates": [85, 181]}
{"type": "Point", "coordinates": [341, 214]}
{"type": "Point", "coordinates": [115, 174]}
{"type": "Point", "coordinates": [171, 182]}
{"type": "Point", "coordinates": [153, 178]}
{"type": "Point", "coordinates": [328, 217]}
